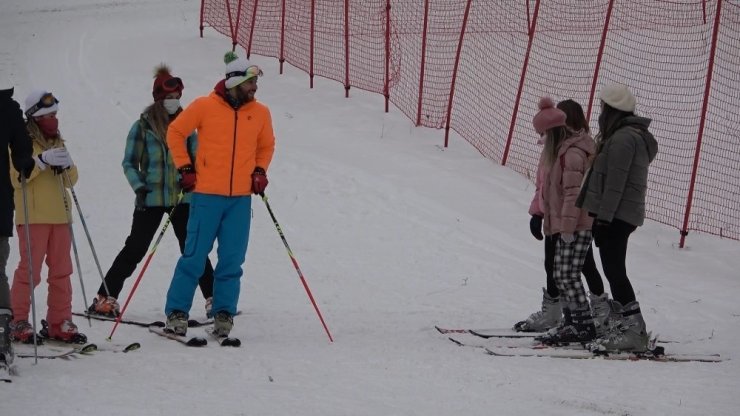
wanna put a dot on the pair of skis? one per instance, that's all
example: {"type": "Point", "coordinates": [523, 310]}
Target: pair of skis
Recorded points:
{"type": "Point", "coordinates": [157, 327]}
{"type": "Point", "coordinates": [196, 341]}
{"type": "Point", "coordinates": [502, 343]}
{"type": "Point", "coordinates": [53, 349]}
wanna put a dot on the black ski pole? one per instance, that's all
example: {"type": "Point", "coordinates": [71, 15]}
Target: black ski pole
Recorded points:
{"type": "Point", "coordinates": [295, 264]}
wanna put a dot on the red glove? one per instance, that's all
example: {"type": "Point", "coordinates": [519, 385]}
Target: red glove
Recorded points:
{"type": "Point", "coordinates": [259, 181]}
{"type": "Point", "coordinates": [187, 178]}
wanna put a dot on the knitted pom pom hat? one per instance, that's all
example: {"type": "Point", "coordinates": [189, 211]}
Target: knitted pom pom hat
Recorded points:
{"type": "Point", "coordinates": [165, 83]}
{"type": "Point", "coordinates": [548, 117]}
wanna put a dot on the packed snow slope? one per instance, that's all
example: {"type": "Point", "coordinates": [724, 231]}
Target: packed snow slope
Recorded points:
{"type": "Point", "coordinates": [393, 232]}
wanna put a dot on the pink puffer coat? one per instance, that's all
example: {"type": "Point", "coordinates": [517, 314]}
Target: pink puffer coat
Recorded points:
{"type": "Point", "coordinates": [557, 186]}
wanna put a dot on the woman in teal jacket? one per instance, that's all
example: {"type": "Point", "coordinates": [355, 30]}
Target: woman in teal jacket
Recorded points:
{"type": "Point", "coordinates": [152, 175]}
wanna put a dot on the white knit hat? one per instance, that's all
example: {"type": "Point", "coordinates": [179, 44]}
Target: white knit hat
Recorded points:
{"type": "Point", "coordinates": [618, 96]}
{"type": "Point", "coordinates": [32, 104]}
{"type": "Point", "coordinates": [238, 70]}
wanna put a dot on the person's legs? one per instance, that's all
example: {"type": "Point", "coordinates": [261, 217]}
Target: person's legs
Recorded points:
{"type": "Point", "coordinates": [629, 333]}
{"type": "Point", "coordinates": [59, 263]}
{"type": "Point", "coordinates": [143, 227]}
{"type": "Point", "coordinates": [550, 313]}
{"type": "Point", "coordinates": [552, 287]}
{"type": "Point", "coordinates": [20, 291]}
{"type": "Point", "coordinates": [613, 253]}
{"type": "Point", "coordinates": [578, 325]}
{"type": "Point", "coordinates": [6, 315]}
{"type": "Point", "coordinates": [233, 237]}
{"type": "Point", "coordinates": [591, 273]}
{"type": "Point", "coordinates": [203, 225]}
{"type": "Point", "coordinates": [569, 260]}
{"type": "Point", "coordinates": [4, 287]}
{"type": "Point", "coordinates": [180, 225]}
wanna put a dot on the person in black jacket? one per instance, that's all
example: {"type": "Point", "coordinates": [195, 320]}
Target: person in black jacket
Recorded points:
{"type": "Point", "coordinates": [13, 136]}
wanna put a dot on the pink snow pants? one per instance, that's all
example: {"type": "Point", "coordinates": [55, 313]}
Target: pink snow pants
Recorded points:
{"type": "Point", "coordinates": [50, 242]}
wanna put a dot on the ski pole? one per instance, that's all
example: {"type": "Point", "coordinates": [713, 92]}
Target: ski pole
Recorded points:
{"type": "Point", "coordinates": [295, 264]}
{"type": "Point", "coordinates": [68, 210]}
{"type": "Point", "coordinates": [30, 268]}
{"type": "Point", "coordinates": [146, 264]}
{"type": "Point", "coordinates": [87, 233]}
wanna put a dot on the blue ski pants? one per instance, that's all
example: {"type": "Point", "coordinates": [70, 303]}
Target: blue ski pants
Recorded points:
{"type": "Point", "coordinates": [212, 217]}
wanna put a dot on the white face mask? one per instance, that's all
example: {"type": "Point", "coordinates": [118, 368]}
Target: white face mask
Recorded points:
{"type": "Point", "coordinates": [171, 105]}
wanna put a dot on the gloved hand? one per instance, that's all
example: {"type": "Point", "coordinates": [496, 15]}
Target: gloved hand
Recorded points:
{"type": "Point", "coordinates": [58, 156]}
{"type": "Point", "coordinates": [567, 238]}
{"type": "Point", "coordinates": [27, 166]}
{"type": "Point", "coordinates": [187, 178]}
{"type": "Point", "coordinates": [259, 181]}
{"type": "Point", "coordinates": [535, 227]}
{"type": "Point", "coordinates": [141, 193]}
{"type": "Point", "coordinates": [599, 230]}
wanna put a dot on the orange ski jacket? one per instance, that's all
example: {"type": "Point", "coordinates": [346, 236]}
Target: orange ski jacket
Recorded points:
{"type": "Point", "coordinates": [231, 143]}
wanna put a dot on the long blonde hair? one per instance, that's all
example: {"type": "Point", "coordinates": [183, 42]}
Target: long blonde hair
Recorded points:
{"type": "Point", "coordinates": [158, 118]}
{"type": "Point", "coordinates": [554, 137]}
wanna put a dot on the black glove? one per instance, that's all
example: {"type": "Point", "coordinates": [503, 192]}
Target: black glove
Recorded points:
{"type": "Point", "coordinates": [599, 231]}
{"type": "Point", "coordinates": [141, 193]}
{"type": "Point", "coordinates": [58, 169]}
{"type": "Point", "coordinates": [535, 227]}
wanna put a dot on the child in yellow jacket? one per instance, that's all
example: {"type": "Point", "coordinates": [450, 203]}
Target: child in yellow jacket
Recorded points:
{"type": "Point", "coordinates": [47, 203]}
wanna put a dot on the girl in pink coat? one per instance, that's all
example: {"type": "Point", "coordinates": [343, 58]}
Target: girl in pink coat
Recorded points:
{"type": "Point", "coordinates": [564, 160]}
{"type": "Point", "coordinates": [551, 315]}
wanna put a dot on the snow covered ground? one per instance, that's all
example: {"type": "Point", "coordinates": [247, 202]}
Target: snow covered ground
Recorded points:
{"type": "Point", "coordinates": [393, 232]}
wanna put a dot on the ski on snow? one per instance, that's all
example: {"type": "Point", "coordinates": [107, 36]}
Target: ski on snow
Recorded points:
{"type": "Point", "coordinates": [192, 323]}
{"type": "Point", "coordinates": [507, 348]}
{"type": "Point", "coordinates": [657, 354]}
{"type": "Point", "coordinates": [224, 341]}
{"type": "Point", "coordinates": [506, 333]}
{"type": "Point", "coordinates": [53, 351]}
{"type": "Point", "coordinates": [190, 342]}
{"type": "Point", "coordinates": [489, 333]}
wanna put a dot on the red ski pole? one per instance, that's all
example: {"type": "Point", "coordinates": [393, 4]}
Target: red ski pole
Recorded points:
{"type": "Point", "coordinates": [295, 264]}
{"type": "Point", "coordinates": [146, 264]}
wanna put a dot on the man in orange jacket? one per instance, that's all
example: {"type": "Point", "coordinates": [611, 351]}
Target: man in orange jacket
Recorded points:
{"type": "Point", "coordinates": [235, 147]}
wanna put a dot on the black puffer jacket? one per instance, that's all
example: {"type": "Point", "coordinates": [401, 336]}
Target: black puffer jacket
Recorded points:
{"type": "Point", "coordinates": [13, 135]}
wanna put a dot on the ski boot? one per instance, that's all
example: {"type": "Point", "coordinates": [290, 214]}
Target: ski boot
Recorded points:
{"type": "Point", "coordinates": [177, 323]}
{"type": "Point", "coordinates": [105, 306]}
{"type": "Point", "coordinates": [222, 324]}
{"type": "Point", "coordinates": [548, 317]}
{"type": "Point", "coordinates": [65, 331]}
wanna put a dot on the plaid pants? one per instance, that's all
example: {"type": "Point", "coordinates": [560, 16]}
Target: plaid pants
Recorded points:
{"type": "Point", "coordinates": [569, 259]}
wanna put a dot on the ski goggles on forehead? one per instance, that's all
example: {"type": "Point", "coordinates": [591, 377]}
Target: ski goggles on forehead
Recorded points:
{"type": "Point", "coordinates": [47, 100]}
{"type": "Point", "coordinates": [252, 71]}
{"type": "Point", "coordinates": [173, 84]}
